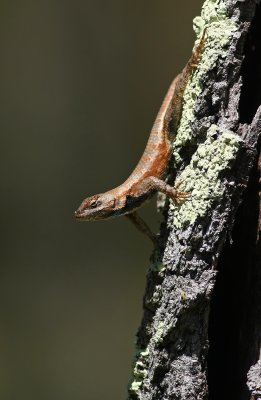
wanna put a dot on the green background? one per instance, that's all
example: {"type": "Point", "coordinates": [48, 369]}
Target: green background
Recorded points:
{"type": "Point", "coordinates": [81, 83]}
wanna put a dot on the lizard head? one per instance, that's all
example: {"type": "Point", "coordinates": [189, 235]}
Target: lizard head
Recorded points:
{"type": "Point", "coordinates": [99, 206]}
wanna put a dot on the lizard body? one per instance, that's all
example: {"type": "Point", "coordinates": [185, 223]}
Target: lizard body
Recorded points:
{"type": "Point", "coordinates": [147, 177]}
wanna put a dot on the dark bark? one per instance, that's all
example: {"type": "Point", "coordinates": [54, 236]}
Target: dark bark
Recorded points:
{"type": "Point", "coordinates": [209, 257]}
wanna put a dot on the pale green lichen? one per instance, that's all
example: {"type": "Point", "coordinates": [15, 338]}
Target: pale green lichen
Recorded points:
{"type": "Point", "coordinates": [160, 333]}
{"type": "Point", "coordinates": [145, 353]}
{"type": "Point", "coordinates": [219, 30]}
{"type": "Point", "coordinates": [156, 294]}
{"type": "Point", "coordinates": [201, 176]}
{"type": "Point", "coordinates": [135, 385]}
{"type": "Point", "coordinates": [140, 359]}
{"type": "Point", "coordinates": [183, 296]}
{"type": "Point", "coordinates": [212, 11]}
{"type": "Point", "coordinates": [139, 370]}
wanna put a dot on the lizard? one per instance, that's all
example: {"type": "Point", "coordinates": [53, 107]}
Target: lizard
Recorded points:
{"type": "Point", "coordinates": [147, 177]}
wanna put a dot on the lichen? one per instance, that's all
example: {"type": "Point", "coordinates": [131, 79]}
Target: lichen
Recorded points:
{"type": "Point", "coordinates": [201, 177]}
{"type": "Point", "coordinates": [219, 30]}
{"type": "Point", "coordinates": [139, 369]}
{"type": "Point", "coordinates": [183, 296]}
{"type": "Point", "coordinates": [161, 331]}
{"type": "Point", "coordinates": [156, 294]}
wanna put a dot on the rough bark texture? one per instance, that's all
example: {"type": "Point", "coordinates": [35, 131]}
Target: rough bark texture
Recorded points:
{"type": "Point", "coordinates": [209, 257]}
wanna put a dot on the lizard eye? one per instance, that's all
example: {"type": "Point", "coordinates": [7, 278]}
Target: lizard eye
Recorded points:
{"type": "Point", "coordinates": [95, 203]}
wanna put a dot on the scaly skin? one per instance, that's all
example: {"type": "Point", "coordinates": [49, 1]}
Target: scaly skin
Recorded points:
{"type": "Point", "coordinates": [147, 177]}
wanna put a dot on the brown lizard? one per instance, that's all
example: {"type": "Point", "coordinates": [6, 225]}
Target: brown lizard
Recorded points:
{"type": "Point", "coordinates": [147, 177]}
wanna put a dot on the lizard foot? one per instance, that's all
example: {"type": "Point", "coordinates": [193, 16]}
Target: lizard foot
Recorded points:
{"type": "Point", "coordinates": [177, 196]}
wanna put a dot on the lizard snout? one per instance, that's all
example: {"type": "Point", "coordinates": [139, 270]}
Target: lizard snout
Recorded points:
{"type": "Point", "coordinates": [77, 213]}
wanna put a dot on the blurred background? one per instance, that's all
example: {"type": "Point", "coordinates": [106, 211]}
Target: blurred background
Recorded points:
{"type": "Point", "coordinates": [81, 83]}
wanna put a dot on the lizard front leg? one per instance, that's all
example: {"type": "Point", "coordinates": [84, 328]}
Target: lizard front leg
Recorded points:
{"type": "Point", "coordinates": [152, 183]}
{"type": "Point", "coordinates": [149, 184]}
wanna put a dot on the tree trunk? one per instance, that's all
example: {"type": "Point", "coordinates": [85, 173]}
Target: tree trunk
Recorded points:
{"type": "Point", "coordinates": [200, 331]}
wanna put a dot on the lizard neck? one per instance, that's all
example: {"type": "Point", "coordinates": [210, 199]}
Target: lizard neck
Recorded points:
{"type": "Point", "coordinates": [127, 198]}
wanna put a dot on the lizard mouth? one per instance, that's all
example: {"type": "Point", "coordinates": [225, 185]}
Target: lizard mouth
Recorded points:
{"type": "Point", "coordinates": [85, 216]}
{"type": "Point", "coordinates": [79, 215]}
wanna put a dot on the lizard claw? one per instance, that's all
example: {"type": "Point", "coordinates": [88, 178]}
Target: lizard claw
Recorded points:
{"type": "Point", "coordinates": [178, 196]}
